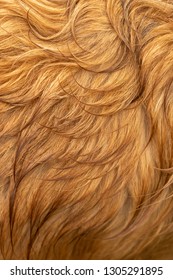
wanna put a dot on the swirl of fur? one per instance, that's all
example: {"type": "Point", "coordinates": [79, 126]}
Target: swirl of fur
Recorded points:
{"type": "Point", "coordinates": [86, 129]}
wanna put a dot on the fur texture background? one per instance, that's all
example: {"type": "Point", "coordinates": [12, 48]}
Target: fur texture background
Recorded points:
{"type": "Point", "coordinates": [86, 129]}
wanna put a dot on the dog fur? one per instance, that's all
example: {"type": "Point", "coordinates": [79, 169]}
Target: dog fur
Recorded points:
{"type": "Point", "coordinates": [86, 129]}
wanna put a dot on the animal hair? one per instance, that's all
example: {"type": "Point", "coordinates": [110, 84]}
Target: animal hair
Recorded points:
{"type": "Point", "coordinates": [86, 129]}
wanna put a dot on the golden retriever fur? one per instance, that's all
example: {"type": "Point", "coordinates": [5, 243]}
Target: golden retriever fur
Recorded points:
{"type": "Point", "coordinates": [86, 129]}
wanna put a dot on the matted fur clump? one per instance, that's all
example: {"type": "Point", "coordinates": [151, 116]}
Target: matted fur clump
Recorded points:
{"type": "Point", "coordinates": [86, 129]}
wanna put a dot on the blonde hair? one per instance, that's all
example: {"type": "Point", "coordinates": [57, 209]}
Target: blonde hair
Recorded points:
{"type": "Point", "coordinates": [86, 128]}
